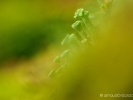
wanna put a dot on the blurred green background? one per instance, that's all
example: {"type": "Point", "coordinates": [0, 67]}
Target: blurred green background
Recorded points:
{"type": "Point", "coordinates": [31, 32]}
{"type": "Point", "coordinates": [27, 26]}
{"type": "Point", "coordinates": [30, 36]}
{"type": "Point", "coordinates": [31, 25]}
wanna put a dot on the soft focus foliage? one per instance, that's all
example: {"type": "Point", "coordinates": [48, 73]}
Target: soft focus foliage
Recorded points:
{"type": "Point", "coordinates": [28, 26]}
{"type": "Point", "coordinates": [104, 68]}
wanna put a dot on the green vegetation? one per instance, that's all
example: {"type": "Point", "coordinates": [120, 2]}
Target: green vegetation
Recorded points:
{"type": "Point", "coordinates": [94, 62]}
{"type": "Point", "coordinates": [99, 62]}
{"type": "Point", "coordinates": [27, 28]}
{"type": "Point", "coordinates": [87, 31]}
